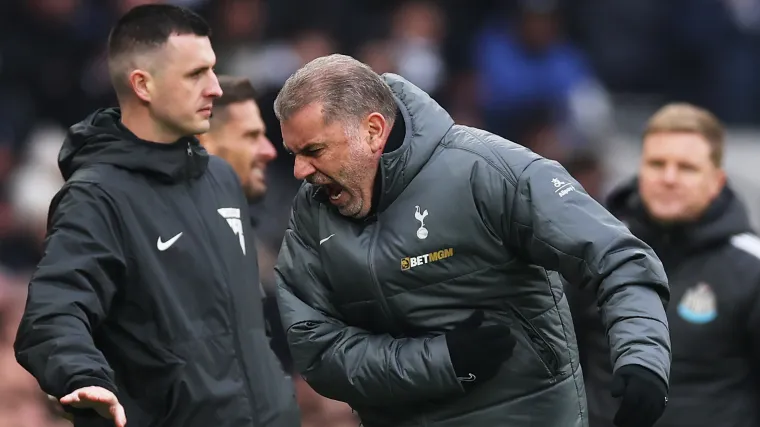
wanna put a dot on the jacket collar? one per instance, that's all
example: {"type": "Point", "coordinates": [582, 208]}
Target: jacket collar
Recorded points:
{"type": "Point", "coordinates": [426, 123]}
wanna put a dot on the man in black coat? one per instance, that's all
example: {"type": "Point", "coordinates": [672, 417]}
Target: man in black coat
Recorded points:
{"type": "Point", "coordinates": [682, 207]}
{"type": "Point", "coordinates": [146, 305]}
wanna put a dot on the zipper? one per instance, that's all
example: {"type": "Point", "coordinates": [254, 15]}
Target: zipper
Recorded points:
{"type": "Point", "coordinates": [371, 259]}
{"type": "Point", "coordinates": [381, 298]}
{"type": "Point", "coordinates": [544, 351]}
{"type": "Point", "coordinates": [379, 290]}
{"type": "Point", "coordinates": [231, 303]}
{"type": "Point", "coordinates": [189, 162]}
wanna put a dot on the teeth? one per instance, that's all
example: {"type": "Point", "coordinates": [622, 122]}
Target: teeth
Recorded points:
{"type": "Point", "coordinates": [336, 195]}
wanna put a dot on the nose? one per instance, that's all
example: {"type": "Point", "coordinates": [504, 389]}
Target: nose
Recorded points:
{"type": "Point", "coordinates": [302, 168]}
{"type": "Point", "coordinates": [214, 90]}
{"type": "Point", "coordinates": [670, 174]}
{"type": "Point", "coordinates": [268, 152]}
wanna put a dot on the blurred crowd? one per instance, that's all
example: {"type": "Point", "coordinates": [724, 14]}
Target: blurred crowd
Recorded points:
{"type": "Point", "coordinates": [540, 72]}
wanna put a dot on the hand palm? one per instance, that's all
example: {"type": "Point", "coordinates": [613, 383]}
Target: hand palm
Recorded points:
{"type": "Point", "coordinates": [100, 400]}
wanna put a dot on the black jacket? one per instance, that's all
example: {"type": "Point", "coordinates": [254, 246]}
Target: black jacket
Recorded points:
{"type": "Point", "coordinates": [149, 287]}
{"type": "Point", "coordinates": [713, 268]}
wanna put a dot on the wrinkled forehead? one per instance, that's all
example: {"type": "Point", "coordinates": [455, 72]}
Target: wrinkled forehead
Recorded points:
{"type": "Point", "coordinates": [307, 127]}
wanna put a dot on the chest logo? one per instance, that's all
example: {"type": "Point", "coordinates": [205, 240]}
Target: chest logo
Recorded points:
{"type": "Point", "coordinates": [232, 215]}
{"type": "Point", "coordinates": [162, 246]}
{"type": "Point", "coordinates": [415, 261]}
{"type": "Point", "coordinates": [698, 304]}
{"type": "Point", "coordinates": [422, 232]}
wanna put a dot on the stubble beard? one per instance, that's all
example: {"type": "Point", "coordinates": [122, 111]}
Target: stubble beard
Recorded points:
{"type": "Point", "coordinates": [354, 175]}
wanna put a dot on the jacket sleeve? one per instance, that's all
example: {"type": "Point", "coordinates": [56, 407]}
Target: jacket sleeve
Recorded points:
{"type": "Point", "coordinates": [343, 362]}
{"type": "Point", "coordinates": [551, 221]}
{"type": "Point", "coordinates": [70, 293]}
{"type": "Point", "coordinates": [753, 324]}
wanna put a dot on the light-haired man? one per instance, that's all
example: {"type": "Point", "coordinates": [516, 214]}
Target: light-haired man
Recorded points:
{"type": "Point", "coordinates": [681, 205]}
{"type": "Point", "coordinates": [418, 277]}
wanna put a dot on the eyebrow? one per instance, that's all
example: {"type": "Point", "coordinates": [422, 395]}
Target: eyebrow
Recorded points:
{"type": "Point", "coordinates": [255, 132]}
{"type": "Point", "coordinates": [199, 69]}
{"type": "Point", "coordinates": [307, 147]}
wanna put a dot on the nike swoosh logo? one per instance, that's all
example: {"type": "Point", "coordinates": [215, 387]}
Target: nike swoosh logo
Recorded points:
{"type": "Point", "coordinates": [469, 378]}
{"type": "Point", "coordinates": [162, 246]}
{"type": "Point", "coordinates": [326, 238]}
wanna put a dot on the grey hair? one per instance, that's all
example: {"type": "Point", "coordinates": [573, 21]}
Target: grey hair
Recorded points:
{"type": "Point", "coordinates": [347, 89]}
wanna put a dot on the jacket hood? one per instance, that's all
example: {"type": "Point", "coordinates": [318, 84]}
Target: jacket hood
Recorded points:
{"type": "Point", "coordinates": [426, 124]}
{"type": "Point", "coordinates": [102, 139]}
{"type": "Point", "coordinates": [725, 217]}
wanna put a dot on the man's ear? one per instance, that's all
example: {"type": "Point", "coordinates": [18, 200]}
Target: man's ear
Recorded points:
{"type": "Point", "coordinates": [376, 126]}
{"type": "Point", "coordinates": [142, 84]}
{"type": "Point", "coordinates": [720, 181]}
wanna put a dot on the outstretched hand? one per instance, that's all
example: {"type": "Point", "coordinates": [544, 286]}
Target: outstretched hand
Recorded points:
{"type": "Point", "coordinates": [100, 400]}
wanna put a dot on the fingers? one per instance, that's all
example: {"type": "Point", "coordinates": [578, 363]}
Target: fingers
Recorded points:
{"type": "Point", "coordinates": [88, 397]}
{"type": "Point", "coordinates": [97, 394]}
{"type": "Point", "coordinates": [101, 400]}
{"type": "Point", "coordinates": [119, 416]}
{"type": "Point", "coordinates": [474, 321]}
{"type": "Point", "coordinates": [624, 415]}
{"type": "Point", "coordinates": [496, 331]}
{"type": "Point", "coordinates": [618, 386]}
{"type": "Point", "coordinates": [505, 344]}
{"type": "Point", "coordinates": [70, 398]}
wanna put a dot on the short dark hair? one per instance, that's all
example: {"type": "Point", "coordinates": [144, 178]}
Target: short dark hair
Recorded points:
{"type": "Point", "coordinates": [234, 90]}
{"type": "Point", "coordinates": [148, 27]}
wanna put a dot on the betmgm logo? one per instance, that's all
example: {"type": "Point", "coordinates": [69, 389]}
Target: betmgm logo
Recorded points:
{"type": "Point", "coordinates": [414, 261]}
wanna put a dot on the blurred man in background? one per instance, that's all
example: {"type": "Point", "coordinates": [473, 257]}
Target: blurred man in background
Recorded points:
{"type": "Point", "coordinates": [681, 205]}
{"type": "Point", "coordinates": [238, 135]}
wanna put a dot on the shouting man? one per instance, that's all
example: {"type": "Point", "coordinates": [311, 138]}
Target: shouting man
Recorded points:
{"type": "Point", "coordinates": [418, 280]}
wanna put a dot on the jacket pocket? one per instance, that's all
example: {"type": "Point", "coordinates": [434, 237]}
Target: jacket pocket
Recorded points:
{"type": "Point", "coordinates": [544, 351]}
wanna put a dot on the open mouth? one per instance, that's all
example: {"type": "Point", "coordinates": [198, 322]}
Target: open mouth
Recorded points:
{"type": "Point", "coordinates": [334, 191]}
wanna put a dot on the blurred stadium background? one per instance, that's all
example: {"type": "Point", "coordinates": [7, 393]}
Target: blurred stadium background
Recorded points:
{"type": "Point", "coordinates": [575, 80]}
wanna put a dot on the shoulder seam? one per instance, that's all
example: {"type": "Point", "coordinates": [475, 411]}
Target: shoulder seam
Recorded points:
{"type": "Point", "coordinates": [85, 183]}
{"type": "Point", "coordinates": [747, 242]}
{"type": "Point", "coordinates": [512, 179]}
{"type": "Point", "coordinates": [90, 183]}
